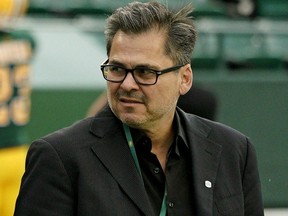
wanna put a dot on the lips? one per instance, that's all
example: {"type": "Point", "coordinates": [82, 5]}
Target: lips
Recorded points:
{"type": "Point", "coordinates": [129, 100]}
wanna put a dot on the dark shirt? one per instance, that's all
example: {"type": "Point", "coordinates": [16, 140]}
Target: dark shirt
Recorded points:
{"type": "Point", "coordinates": [177, 174]}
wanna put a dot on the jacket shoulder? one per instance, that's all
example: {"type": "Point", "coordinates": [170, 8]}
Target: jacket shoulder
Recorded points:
{"type": "Point", "coordinates": [215, 132]}
{"type": "Point", "coordinates": [70, 135]}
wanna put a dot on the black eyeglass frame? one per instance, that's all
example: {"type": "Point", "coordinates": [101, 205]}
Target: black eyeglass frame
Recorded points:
{"type": "Point", "coordinates": [157, 72]}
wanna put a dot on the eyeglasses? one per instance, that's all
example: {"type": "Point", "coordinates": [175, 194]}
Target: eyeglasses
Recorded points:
{"type": "Point", "coordinates": [141, 75]}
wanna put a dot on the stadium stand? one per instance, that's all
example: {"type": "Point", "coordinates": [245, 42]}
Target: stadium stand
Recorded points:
{"type": "Point", "coordinates": [272, 8]}
{"type": "Point", "coordinates": [103, 7]}
{"type": "Point", "coordinates": [206, 53]}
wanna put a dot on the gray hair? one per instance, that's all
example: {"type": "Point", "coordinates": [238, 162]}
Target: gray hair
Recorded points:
{"type": "Point", "coordinates": [137, 17]}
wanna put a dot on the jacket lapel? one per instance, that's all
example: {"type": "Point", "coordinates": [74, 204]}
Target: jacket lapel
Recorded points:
{"type": "Point", "coordinates": [205, 158]}
{"type": "Point", "coordinates": [113, 151]}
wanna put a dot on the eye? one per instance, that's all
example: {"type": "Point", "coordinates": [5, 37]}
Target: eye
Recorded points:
{"type": "Point", "coordinates": [115, 69]}
{"type": "Point", "coordinates": [145, 72]}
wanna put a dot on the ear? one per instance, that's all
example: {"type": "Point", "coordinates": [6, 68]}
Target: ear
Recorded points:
{"type": "Point", "coordinates": [186, 74]}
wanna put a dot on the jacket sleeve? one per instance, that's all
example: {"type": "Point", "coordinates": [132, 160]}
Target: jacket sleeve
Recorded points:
{"type": "Point", "coordinates": [45, 188]}
{"type": "Point", "coordinates": [253, 204]}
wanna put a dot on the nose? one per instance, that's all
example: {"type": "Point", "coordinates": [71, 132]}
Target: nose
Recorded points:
{"type": "Point", "coordinates": [129, 82]}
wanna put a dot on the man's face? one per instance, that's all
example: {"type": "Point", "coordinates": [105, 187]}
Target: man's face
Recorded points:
{"type": "Point", "coordinates": [137, 105]}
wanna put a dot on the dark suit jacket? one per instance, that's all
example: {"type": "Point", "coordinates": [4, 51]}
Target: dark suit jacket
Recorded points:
{"type": "Point", "coordinates": [87, 170]}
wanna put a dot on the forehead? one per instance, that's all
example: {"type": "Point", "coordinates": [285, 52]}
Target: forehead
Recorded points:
{"type": "Point", "coordinates": [144, 47]}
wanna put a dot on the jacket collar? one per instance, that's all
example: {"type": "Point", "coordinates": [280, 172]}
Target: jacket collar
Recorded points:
{"type": "Point", "coordinates": [205, 155]}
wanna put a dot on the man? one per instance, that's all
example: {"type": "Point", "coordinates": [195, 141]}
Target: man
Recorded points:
{"type": "Point", "coordinates": [16, 50]}
{"type": "Point", "coordinates": [142, 155]}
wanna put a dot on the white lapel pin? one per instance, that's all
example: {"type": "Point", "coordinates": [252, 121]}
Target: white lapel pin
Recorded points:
{"type": "Point", "coordinates": [208, 184]}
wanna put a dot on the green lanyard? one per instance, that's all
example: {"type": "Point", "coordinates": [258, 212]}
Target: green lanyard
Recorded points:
{"type": "Point", "coordinates": [134, 155]}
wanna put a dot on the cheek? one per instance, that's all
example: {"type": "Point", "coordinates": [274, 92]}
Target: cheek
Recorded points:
{"type": "Point", "coordinates": [171, 89]}
{"type": "Point", "coordinates": [111, 92]}
{"type": "Point", "coordinates": [166, 96]}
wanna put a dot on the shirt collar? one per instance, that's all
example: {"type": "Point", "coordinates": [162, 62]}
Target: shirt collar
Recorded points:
{"type": "Point", "coordinates": [180, 143]}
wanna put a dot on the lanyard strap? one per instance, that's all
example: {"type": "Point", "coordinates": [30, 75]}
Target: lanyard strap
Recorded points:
{"type": "Point", "coordinates": [132, 149]}
{"type": "Point", "coordinates": [135, 158]}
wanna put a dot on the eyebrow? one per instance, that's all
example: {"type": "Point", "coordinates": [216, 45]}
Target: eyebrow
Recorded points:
{"type": "Point", "coordinates": [115, 62]}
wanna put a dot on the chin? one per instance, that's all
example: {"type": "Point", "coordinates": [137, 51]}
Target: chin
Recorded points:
{"type": "Point", "coordinates": [132, 121]}
{"type": "Point", "coordinates": [131, 117]}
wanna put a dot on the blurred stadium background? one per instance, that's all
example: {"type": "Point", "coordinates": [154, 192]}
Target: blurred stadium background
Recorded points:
{"type": "Point", "coordinates": [241, 55]}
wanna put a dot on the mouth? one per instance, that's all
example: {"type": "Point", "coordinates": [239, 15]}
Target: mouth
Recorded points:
{"type": "Point", "coordinates": [130, 101]}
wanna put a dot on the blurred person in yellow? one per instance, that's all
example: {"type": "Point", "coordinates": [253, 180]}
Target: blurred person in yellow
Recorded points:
{"type": "Point", "coordinates": [16, 48]}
